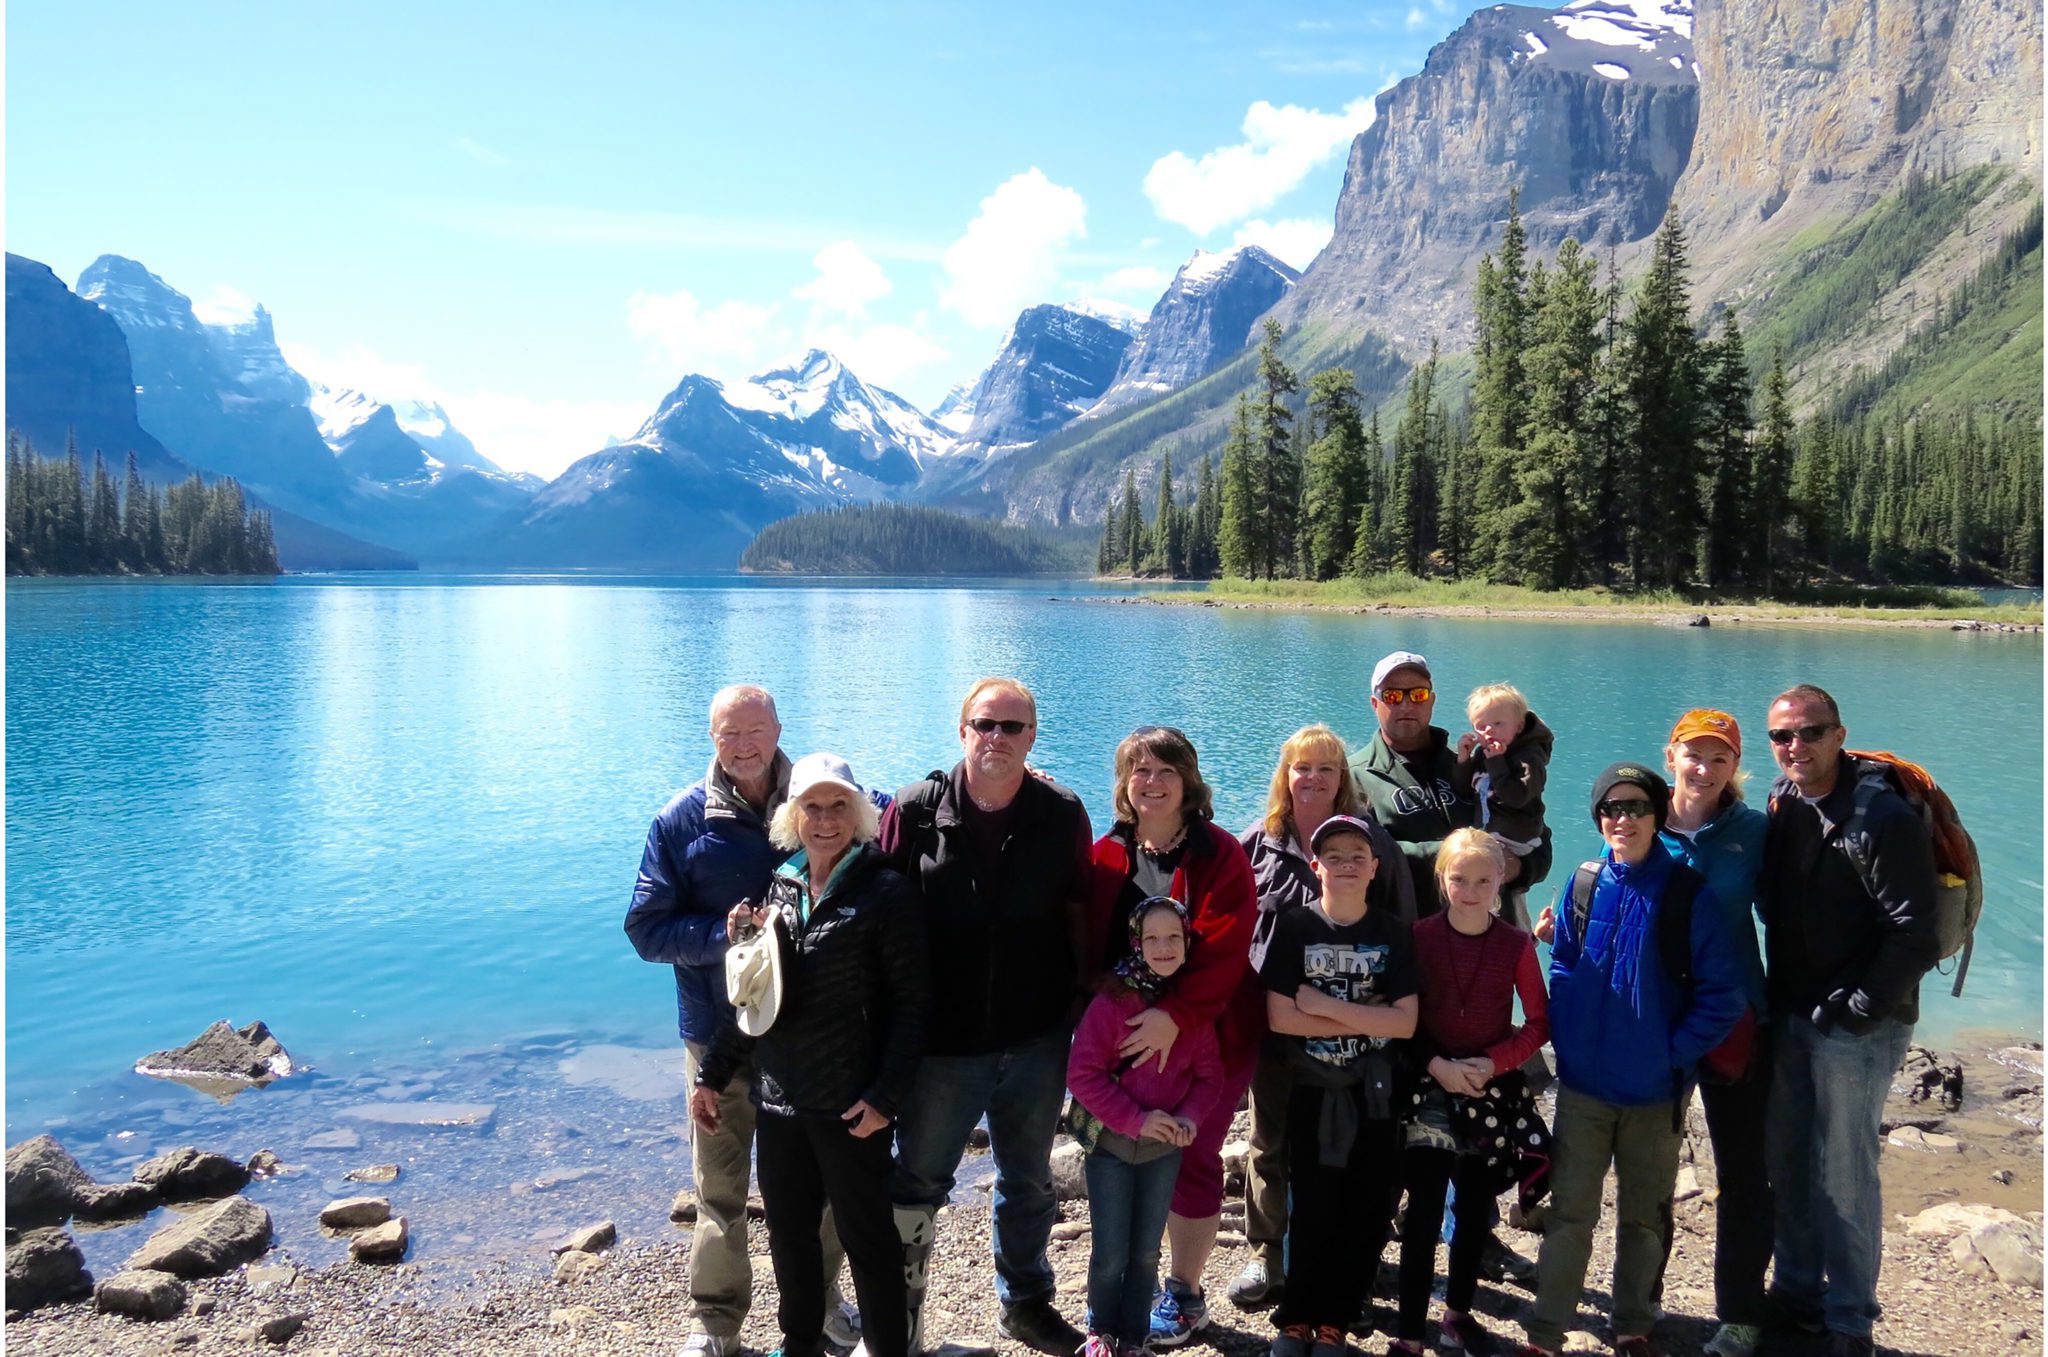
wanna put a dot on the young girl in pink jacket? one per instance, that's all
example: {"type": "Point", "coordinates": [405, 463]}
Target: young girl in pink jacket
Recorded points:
{"type": "Point", "coordinates": [1135, 1116]}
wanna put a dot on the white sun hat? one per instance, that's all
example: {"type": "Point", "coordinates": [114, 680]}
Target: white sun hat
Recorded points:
{"type": "Point", "coordinates": [753, 976]}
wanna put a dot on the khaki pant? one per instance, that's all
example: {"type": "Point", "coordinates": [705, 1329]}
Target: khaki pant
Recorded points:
{"type": "Point", "coordinates": [1643, 1147]}
{"type": "Point", "coordinates": [721, 1279]}
{"type": "Point", "coordinates": [1265, 1170]}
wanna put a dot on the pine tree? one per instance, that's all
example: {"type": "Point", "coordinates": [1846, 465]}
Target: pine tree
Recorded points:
{"type": "Point", "coordinates": [1131, 552]}
{"type": "Point", "coordinates": [1105, 554]}
{"type": "Point", "coordinates": [1203, 519]}
{"type": "Point", "coordinates": [1662, 358]}
{"type": "Point", "coordinates": [1500, 392]}
{"type": "Point", "coordinates": [1336, 477]}
{"type": "Point", "coordinates": [1167, 547]}
{"type": "Point", "coordinates": [1276, 479]}
{"type": "Point", "coordinates": [103, 518]}
{"type": "Point", "coordinates": [1547, 524]}
{"type": "Point", "coordinates": [1238, 533]}
{"type": "Point", "coordinates": [1770, 481]}
{"type": "Point", "coordinates": [1724, 454]}
{"type": "Point", "coordinates": [1412, 523]}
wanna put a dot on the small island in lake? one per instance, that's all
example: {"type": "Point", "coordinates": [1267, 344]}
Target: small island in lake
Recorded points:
{"type": "Point", "coordinates": [905, 539]}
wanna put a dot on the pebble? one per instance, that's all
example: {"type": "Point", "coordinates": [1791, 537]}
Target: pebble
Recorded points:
{"type": "Point", "coordinates": [354, 1213]}
{"type": "Point", "coordinates": [574, 1267]}
{"type": "Point", "coordinates": [373, 1173]}
{"type": "Point", "coordinates": [590, 1239]}
{"type": "Point", "coordinates": [683, 1210]}
{"type": "Point", "coordinates": [380, 1243]}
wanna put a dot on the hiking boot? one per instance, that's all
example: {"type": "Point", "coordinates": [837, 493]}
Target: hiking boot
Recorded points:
{"type": "Point", "coordinates": [1792, 1316]}
{"type": "Point", "coordinates": [1292, 1341]}
{"type": "Point", "coordinates": [1038, 1326]}
{"type": "Point", "coordinates": [710, 1345]}
{"type": "Point", "coordinates": [1330, 1342]}
{"type": "Point", "coordinates": [1255, 1286]}
{"type": "Point", "coordinates": [1849, 1345]}
{"type": "Point", "coordinates": [1499, 1263]}
{"type": "Point", "coordinates": [1734, 1340]}
{"type": "Point", "coordinates": [1464, 1333]}
{"type": "Point", "coordinates": [1099, 1345]}
{"type": "Point", "coordinates": [1177, 1315]}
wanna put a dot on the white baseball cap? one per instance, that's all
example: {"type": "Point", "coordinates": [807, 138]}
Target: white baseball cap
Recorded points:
{"type": "Point", "coordinates": [1400, 659]}
{"type": "Point", "coordinates": [817, 770]}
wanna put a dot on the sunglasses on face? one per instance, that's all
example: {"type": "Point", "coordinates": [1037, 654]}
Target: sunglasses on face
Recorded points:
{"type": "Point", "coordinates": [1633, 809]}
{"type": "Point", "coordinates": [1808, 734]}
{"type": "Point", "coordinates": [988, 725]}
{"type": "Point", "coordinates": [1394, 697]}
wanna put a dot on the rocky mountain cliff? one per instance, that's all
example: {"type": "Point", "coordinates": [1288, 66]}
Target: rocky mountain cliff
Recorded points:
{"type": "Point", "coordinates": [1201, 322]}
{"type": "Point", "coordinates": [1590, 110]}
{"type": "Point", "coordinates": [1813, 110]}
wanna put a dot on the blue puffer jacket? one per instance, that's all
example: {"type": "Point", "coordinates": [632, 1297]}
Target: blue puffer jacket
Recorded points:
{"type": "Point", "coordinates": [1728, 851]}
{"type": "Point", "coordinates": [706, 851]}
{"type": "Point", "coordinates": [1612, 1018]}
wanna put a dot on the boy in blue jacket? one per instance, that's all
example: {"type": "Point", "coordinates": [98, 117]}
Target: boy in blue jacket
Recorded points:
{"type": "Point", "coordinates": [1627, 1032]}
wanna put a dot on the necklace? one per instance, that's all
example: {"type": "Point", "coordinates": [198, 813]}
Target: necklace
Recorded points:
{"type": "Point", "coordinates": [1163, 849]}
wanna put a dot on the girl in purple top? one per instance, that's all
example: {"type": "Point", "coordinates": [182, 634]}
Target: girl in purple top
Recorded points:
{"type": "Point", "coordinates": [1138, 1115]}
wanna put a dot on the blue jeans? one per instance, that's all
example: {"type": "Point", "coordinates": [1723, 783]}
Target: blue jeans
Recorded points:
{"type": "Point", "coordinates": [1821, 1145]}
{"type": "Point", "coordinates": [1020, 1090]}
{"type": "Point", "coordinates": [1127, 1206]}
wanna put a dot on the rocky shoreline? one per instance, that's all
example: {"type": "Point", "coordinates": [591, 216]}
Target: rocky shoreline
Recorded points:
{"type": "Point", "coordinates": [1642, 615]}
{"type": "Point", "coordinates": [1963, 1193]}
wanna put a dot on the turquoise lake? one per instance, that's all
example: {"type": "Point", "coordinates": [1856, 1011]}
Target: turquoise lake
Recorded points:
{"type": "Point", "coordinates": [397, 818]}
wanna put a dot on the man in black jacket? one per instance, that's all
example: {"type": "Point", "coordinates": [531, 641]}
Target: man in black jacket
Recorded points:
{"type": "Point", "coordinates": [999, 862]}
{"type": "Point", "coordinates": [1847, 947]}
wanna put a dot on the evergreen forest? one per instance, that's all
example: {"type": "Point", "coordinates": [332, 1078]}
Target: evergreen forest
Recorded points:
{"type": "Point", "coordinates": [65, 520]}
{"type": "Point", "coordinates": [906, 539]}
{"type": "Point", "coordinates": [1614, 437]}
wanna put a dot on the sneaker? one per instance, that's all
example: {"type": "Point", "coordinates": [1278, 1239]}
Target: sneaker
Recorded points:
{"type": "Point", "coordinates": [1292, 1341]}
{"type": "Point", "coordinates": [710, 1345]}
{"type": "Point", "coordinates": [842, 1325]}
{"type": "Point", "coordinates": [1254, 1286]}
{"type": "Point", "coordinates": [1637, 1345]}
{"type": "Point", "coordinates": [1330, 1341]}
{"type": "Point", "coordinates": [1035, 1324]}
{"type": "Point", "coordinates": [1177, 1315]}
{"type": "Point", "coordinates": [1099, 1345]}
{"type": "Point", "coordinates": [1464, 1333]}
{"type": "Point", "coordinates": [1734, 1340]}
{"type": "Point", "coordinates": [1499, 1263]}
{"type": "Point", "coordinates": [1849, 1345]}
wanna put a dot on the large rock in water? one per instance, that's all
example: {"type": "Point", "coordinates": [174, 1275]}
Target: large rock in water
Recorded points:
{"type": "Point", "coordinates": [208, 1242]}
{"type": "Point", "coordinates": [190, 1174]}
{"type": "Point", "coordinates": [45, 1185]}
{"type": "Point", "coordinates": [222, 1060]}
{"type": "Point", "coordinates": [44, 1267]}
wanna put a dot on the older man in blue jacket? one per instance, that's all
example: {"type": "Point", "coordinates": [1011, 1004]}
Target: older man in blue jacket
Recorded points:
{"type": "Point", "coordinates": [1635, 1001]}
{"type": "Point", "coordinates": [708, 849]}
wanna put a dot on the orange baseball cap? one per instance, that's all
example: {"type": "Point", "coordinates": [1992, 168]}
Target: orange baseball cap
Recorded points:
{"type": "Point", "coordinates": [1707, 723]}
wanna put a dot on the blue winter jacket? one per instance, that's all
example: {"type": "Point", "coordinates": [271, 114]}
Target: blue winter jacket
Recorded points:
{"type": "Point", "coordinates": [1612, 1018]}
{"type": "Point", "coordinates": [1728, 851]}
{"type": "Point", "coordinates": [706, 851]}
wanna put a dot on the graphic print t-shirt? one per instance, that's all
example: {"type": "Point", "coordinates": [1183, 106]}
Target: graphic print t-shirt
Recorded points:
{"type": "Point", "coordinates": [1369, 962]}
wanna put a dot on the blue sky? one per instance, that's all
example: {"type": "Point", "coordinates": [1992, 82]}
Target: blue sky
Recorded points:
{"type": "Point", "coordinates": [545, 216]}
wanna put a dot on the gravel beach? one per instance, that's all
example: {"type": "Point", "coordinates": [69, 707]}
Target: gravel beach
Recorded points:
{"type": "Point", "coordinates": [635, 1302]}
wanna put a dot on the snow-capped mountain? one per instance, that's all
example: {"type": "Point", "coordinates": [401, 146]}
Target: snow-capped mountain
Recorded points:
{"type": "Point", "coordinates": [716, 462]}
{"type": "Point", "coordinates": [1201, 322]}
{"type": "Point", "coordinates": [1055, 362]}
{"type": "Point", "coordinates": [344, 414]}
{"type": "Point", "coordinates": [1616, 39]}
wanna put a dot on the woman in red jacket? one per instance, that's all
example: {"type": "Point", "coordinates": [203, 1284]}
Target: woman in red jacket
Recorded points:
{"type": "Point", "coordinates": [1165, 842]}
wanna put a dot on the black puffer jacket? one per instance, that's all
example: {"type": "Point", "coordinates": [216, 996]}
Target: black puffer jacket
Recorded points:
{"type": "Point", "coordinates": [855, 995]}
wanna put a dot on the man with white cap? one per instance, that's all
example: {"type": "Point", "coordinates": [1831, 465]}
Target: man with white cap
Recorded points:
{"type": "Point", "coordinates": [708, 850]}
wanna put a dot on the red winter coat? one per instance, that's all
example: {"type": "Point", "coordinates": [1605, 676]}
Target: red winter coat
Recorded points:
{"type": "Point", "coordinates": [1218, 988]}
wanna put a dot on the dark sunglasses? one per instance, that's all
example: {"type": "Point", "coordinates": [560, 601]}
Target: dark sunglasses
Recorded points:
{"type": "Point", "coordinates": [1394, 697]}
{"type": "Point", "coordinates": [1633, 808]}
{"type": "Point", "coordinates": [988, 725]}
{"type": "Point", "coordinates": [1787, 734]}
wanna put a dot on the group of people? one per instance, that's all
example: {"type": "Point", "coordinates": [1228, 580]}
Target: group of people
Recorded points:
{"type": "Point", "coordinates": [1360, 963]}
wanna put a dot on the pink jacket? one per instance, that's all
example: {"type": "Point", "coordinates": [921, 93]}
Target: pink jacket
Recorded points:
{"type": "Point", "coordinates": [1187, 1087]}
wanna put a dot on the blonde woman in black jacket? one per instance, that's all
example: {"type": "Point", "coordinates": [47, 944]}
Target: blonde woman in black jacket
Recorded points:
{"type": "Point", "coordinates": [835, 1060]}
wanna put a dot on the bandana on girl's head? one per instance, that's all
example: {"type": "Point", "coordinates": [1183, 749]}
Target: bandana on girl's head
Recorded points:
{"type": "Point", "coordinates": [1132, 970]}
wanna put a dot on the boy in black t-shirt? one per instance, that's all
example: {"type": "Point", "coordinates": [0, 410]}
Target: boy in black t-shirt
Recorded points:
{"type": "Point", "coordinates": [1341, 986]}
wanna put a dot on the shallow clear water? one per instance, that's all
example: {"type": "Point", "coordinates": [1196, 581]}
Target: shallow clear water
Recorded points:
{"type": "Point", "coordinates": [397, 818]}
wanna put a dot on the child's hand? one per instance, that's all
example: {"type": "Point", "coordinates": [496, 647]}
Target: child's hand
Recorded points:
{"type": "Point", "coordinates": [1493, 744]}
{"type": "Point", "coordinates": [1546, 925]}
{"type": "Point", "coordinates": [1187, 1131]}
{"type": "Point", "coordinates": [1466, 743]}
{"type": "Point", "coordinates": [1162, 1126]}
{"type": "Point", "coordinates": [1311, 1001]}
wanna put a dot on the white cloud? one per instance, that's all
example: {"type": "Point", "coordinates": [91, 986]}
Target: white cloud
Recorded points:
{"type": "Point", "coordinates": [224, 306]}
{"type": "Point", "coordinates": [480, 153]}
{"type": "Point", "coordinates": [1416, 17]}
{"type": "Point", "coordinates": [1298, 240]}
{"type": "Point", "coordinates": [1281, 146]}
{"type": "Point", "coordinates": [1140, 278]}
{"type": "Point", "coordinates": [729, 340]}
{"type": "Point", "coordinates": [847, 280]}
{"type": "Point", "coordinates": [1011, 253]}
